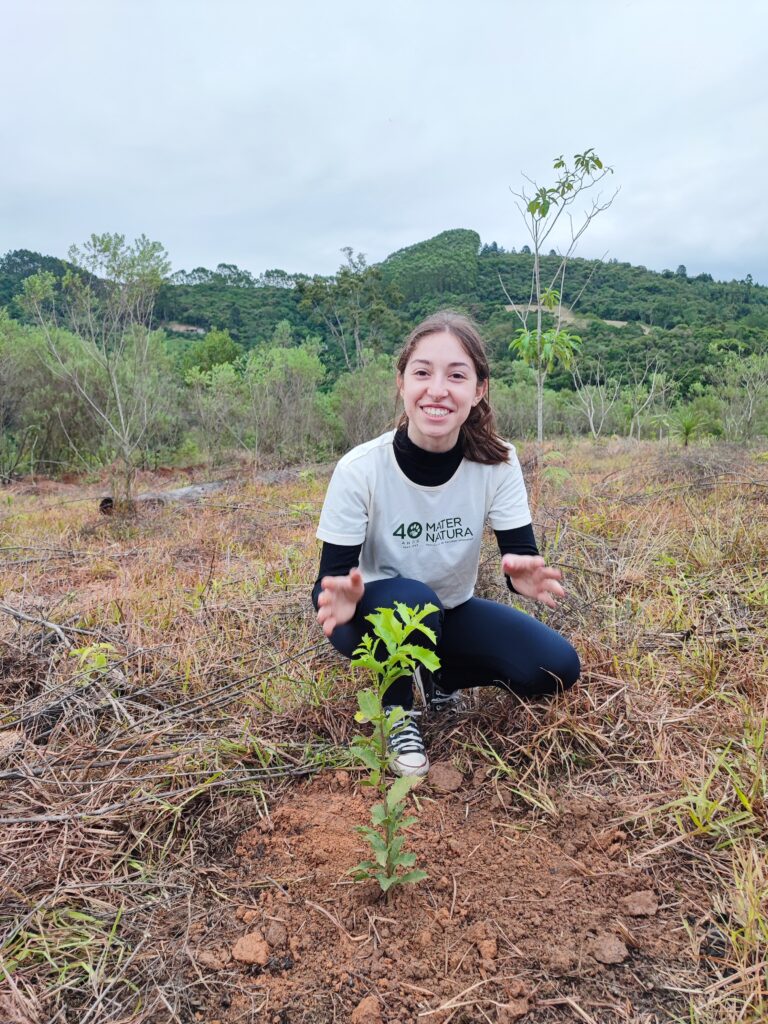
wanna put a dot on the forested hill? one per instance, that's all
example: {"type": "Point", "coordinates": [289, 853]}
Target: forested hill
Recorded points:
{"type": "Point", "coordinates": [625, 314]}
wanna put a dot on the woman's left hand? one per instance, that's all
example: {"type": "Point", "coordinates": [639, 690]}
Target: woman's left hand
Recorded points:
{"type": "Point", "coordinates": [532, 577]}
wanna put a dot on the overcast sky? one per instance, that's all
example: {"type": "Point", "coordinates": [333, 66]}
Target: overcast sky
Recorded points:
{"type": "Point", "coordinates": [271, 134]}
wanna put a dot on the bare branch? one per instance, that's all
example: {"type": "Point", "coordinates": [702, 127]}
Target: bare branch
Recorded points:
{"type": "Point", "coordinates": [596, 395]}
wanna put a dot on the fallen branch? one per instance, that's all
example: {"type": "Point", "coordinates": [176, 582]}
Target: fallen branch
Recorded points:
{"type": "Point", "coordinates": [54, 627]}
{"type": "Point", "coordinates": [181, 495]}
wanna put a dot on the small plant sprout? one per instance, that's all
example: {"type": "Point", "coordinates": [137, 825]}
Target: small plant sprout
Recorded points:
{"type": "Point", "coordinates": [93, 660]}
{"type": "Point", "coordinates": [392, 630]}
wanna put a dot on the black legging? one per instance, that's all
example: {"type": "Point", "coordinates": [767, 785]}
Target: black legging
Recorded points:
{"type": "Point", "coordinates": [479, 643]}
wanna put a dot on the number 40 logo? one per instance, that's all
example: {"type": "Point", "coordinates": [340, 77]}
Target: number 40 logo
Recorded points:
{"type": "Point", "coordinates": [413, 530]}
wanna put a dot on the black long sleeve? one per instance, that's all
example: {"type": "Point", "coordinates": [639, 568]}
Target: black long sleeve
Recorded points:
{"type": "Point", "coordinates": [335, 560]}
{"type": "Point", "coordinates": [518, 541]}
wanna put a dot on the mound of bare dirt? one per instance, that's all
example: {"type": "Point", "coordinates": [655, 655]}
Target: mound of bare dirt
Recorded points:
{"type": "Point", "coordinates": [512, 915]}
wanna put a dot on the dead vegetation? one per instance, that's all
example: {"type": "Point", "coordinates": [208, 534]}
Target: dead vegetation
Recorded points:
{"type": "Point", "coordinates": [165, 698]}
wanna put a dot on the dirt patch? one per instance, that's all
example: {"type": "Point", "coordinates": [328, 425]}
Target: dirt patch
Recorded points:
{"type": "Point", "coordinates": [444, 778]}
{"type": "Point", "coordinates": [510, 913]}
{"type": "Point", "coordinates": [581, 894]}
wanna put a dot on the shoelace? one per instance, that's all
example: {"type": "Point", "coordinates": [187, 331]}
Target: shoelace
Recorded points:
{"type": "Point", "coordinates": [442, 700]}
{"type": "Point", "coordinates": [432, 697]}
{"type": "Point", "coordinates": [407, 739]}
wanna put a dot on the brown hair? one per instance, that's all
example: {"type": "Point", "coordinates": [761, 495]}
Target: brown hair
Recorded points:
{"type": "Point", "coordinates": [480, 440]}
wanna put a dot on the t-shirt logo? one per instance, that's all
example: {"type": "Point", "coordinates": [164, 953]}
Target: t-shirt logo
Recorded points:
{"type": "Point", "coordinates": [412, 530]}
{"type": "Point", "coordinates": [448, 529]}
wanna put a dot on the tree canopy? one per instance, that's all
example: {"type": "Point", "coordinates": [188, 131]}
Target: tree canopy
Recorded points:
{"type": "Point", "coordinates": [624, 313]}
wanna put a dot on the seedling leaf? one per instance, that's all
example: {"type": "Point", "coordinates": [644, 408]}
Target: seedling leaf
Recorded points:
{"type": "Point", "coordinates": [391, 628]}
{"type": "Point", "coordinates": [399, 790]}
{"type": "Point", "coordinates": [412, 876]}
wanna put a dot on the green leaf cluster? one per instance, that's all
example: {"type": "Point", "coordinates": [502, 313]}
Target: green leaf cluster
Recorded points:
{"type": "Point", "coordinates": [93, 660]}
{"type": "Point", "coordinates": [552, 347]}
{"type": "Point", "coordinates": [388, 653]}
{"type": "Point", "coordinates": [391, 864]}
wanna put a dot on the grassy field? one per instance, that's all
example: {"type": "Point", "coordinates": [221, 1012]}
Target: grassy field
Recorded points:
{"type": "Point", "coordinates": [176, 782]}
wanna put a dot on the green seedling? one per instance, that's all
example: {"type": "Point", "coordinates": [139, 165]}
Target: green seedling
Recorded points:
{"type": "Point", "coordinates": [392, 629]}
{"type": "Point", "coordinates": [93, 661]}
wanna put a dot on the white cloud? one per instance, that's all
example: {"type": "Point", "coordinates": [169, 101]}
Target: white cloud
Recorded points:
{"type": "Point", "coordinates": [272, 135]}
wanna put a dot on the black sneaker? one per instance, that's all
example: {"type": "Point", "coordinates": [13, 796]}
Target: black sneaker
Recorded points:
{"type": "Point", "coordinates": [444, 702]}
{"type": "Point", "coordinates": [434, 698]}
{"type": "Point", "coordinates": [407, 746]}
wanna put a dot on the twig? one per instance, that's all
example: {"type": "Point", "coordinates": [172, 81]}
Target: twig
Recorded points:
{"type": "Point", "coordinates": [450, 1004]}
{"type": "Point", "coordinates": [53, 626]}
{"type": "Point", "coordinates": [334, 920]}
{"type": "Point", "coordinates": [568, 1001]}
{"type": "Point", "coordinates": [153, 798]}
{"type": "Point", "coordinates": [418, 989]}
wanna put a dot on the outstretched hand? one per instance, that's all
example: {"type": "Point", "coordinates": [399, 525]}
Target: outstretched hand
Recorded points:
{"type": "Point", "coordinates": [532, 577]}
{"type": "Point", "coordinates": [338, 599]}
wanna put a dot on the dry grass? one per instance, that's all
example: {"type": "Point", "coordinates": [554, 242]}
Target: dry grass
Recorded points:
{"type": "Point", "coordinates": [128, 770]}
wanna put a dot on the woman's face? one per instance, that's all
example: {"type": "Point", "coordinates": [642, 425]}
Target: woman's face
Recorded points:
{"type": "Point", "coordinates": [439, 386]}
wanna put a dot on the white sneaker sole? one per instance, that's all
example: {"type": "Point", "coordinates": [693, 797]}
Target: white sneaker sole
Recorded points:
{"type": "Point", "coordinates": [409, 770]}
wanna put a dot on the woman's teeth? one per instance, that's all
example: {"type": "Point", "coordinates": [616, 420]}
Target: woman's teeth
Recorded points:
{"type": "Point", "coordinates": [436, 414]}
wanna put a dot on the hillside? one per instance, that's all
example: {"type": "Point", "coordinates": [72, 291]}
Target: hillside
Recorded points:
{"type": "Point", "coordinates": [626, 314]}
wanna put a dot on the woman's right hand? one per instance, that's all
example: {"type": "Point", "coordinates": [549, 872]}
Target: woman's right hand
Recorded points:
{"type": "Point", "coordinates": [338, 599]}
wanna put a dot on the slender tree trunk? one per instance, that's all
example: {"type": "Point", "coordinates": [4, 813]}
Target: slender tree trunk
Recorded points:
{"type": "Point", "coordinates": [539, 406]}
{"type": "Point", "coordinates": [539, 368]}
{"type": "Point", "coordinates": [123, 475]}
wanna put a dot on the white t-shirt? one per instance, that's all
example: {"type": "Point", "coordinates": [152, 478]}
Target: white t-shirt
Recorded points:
{"type": "Point", "coordinates": [432, 534]}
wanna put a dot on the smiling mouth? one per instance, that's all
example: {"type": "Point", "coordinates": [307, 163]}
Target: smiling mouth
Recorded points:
{"type": "Point", "coordinates": [434, 412]}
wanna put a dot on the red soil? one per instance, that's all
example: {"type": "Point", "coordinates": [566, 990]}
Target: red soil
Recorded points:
{"type": "Point", "coordinates": [514, 922]}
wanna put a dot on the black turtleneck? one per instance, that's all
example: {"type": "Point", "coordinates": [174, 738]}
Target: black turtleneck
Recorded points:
{"type": "Point", "coordinates": [428, 469]}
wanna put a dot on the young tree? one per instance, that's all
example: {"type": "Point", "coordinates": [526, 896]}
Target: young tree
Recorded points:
{"type": "Point", "coordinates": [364, 401]}
{"type": "Point", "coordinates": [214, 349]}
{"type": "Point", "coordinates": [646, 390]}
{"type": "Point", "coordinates": [597, 395]}
{"type": "Point", "coordinates": [542, 207]}
{"type": "Point", "coordinates": [514, 402]}
{"type": "Point", "coordinates": [290, 410]}
{"type": "Point", "coordinates": [351, 305]}
{"type": "Point", "coordinates": [282, 336]}
{"type": "Point", "coordinates": [18, 436]}
{"type": "Point", "coordinates": [744, 388]}
{"type": "Point", "coordinates": [220, 406]}
{"type": "Point", "coordinates": [685, 423]}
{"type": "Point", "coordinates": [106, 305]}
{"type": "Point", "coordinates": [44, 420]}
